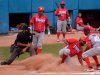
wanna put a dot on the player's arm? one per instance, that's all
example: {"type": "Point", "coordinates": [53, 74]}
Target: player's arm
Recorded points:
{"type": "Point", "coordinates": [32, 22]}
{"type": "Point", "coordinates": [18, 41]}
{"type": "Point", "coordinates": [57, 12]}
{"type": "Point", "coordinates": [88, 46]}
{"type": "Point", "coordinates": [67, 14]}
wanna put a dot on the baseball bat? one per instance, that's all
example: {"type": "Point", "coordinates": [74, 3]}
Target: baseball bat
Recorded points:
{"type": "Point", "coordinates": [57, 5]}
{"type": "Point", "coordinates": [48, 28]}
{"type": "Point", "coordinates": [49, 33]}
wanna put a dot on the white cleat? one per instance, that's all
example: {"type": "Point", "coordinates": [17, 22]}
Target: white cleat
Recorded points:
{"type": "Point", "coordinates": [58, 40]}
{"type": "Point", "coordinates": [90, 70]}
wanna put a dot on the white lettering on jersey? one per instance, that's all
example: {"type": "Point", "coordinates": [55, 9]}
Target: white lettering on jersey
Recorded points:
{"type": "Point", "coordinates": [62, 12]}
{"type": "Point", "coordinates": [81, 20]}
{"type": "Point", "coordinates": [76, 48]}
{"type": "Point", "coordinates": [40, 20]}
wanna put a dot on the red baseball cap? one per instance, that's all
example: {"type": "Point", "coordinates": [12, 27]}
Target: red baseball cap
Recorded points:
{"type": "Point", "coordinates": [86, 29]}
{"type": "Point", "coordinates": [62, 2]}
{"type": "Point", "coordinates": [40, 8]}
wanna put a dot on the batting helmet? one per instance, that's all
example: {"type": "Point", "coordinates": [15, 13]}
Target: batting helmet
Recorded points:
{"type": "Point", "coordinates": [86, 29]}
{"type": "Point", "coordinates": [40, 8]}
{"type": "Point", "coordinates": [62, 2]}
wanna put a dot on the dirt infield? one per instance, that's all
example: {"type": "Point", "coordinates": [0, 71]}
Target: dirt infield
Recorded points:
{"type": "Point", "coordinates": [45, 64]}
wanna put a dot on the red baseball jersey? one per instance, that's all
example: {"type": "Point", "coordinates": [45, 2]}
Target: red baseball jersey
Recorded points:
{"type": "Point", "coordinates": [39, 22]}
{"type": "Point", "coordinates": [75, 48]}
{"type": "Point", "coordinates": [64, 13]}
{"type": "Point", "coordinates": [79, 21]}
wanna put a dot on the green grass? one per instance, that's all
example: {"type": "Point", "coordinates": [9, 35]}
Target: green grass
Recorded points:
{"type": "Point", "coordinates": [47, 48]}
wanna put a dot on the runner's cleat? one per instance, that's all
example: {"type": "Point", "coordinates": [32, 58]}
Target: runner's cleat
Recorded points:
{"type": "Point", "coordinates": [58, 40]}
{"type": "Point", "coordinates": [98, 67]}
{"type": "Point", "coordinates": [90, 70]}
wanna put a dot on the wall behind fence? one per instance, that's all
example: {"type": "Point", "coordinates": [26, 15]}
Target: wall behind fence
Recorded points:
{"type": "Point", "coordinates": [4, 24]}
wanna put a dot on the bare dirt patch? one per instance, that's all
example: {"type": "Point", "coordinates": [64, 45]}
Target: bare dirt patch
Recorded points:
{"type": "Point", "coordinates": [46, 64]}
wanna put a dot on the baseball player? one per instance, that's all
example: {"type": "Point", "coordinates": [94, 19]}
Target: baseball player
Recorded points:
{"type": "Point", "coordinates": [63, 15]}
{"type": "Point", "coordinates": [72, 47]}
{"type": "Point", "coordinates": [22, 44]}
{"type": "Point", "coordinates": [40, 21]}
{"type": "Point", "coordinates": [93, 49]}
{"type": "Point", "coordinates": [79, 22]}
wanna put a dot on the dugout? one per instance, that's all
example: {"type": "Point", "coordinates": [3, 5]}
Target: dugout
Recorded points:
{"type": "Point", "coordinates": [92, 17]}
{"type": "Point", "coordinates": [17, 18]}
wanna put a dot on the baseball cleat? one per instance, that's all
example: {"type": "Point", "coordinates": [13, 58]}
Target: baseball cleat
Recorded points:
{"type": "Point", "coordinates": [58, 40]}
{"type": "Point", "coordinates": [4, 63]}
{"type": "Point", "coordinates": [98, 67]}
{"type": "Point", "coordinates": [90, 70]}
{"type": "Point", "coordinates": [63, 39]}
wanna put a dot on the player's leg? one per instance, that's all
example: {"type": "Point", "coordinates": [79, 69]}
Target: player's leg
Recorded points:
{"type": "Point", "coordinates": [31, 51]}
{"type": "Point", "coordinates": [91, 52]}
{"type": "Point", "coordinates": [80, 28]}
{"type": "Point", "coordinates": [40, 42]}
{"type": "Point", "coordinates": [97, 62]}
{"type": "Point", "coordinates": [12, 57]}
{"type": "Point", "coordinates": [64, 53]}
{"type": "Point", "coordinates": [35, 41]}
{"type": "Point", "coordinates": [59, 23]}
{"type": "Point", "coordinates": [64, 25]}
{"type": "Point", "coordinates": [90, 68]}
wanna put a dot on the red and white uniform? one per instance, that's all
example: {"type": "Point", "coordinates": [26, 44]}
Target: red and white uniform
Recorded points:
{"type": "Point", "coordinates": [39, 22]}
{"type": "Point", "coordinates": [92, 40]}
{"type": "Point", "coordinates": [93, 45]}
{"type": "Point", "coordinates": [71, 49]}
{"type": "Point", "coordinates": [63, 13]}
{"type": "Point", "coordinates": [79, 21]}
{"type": "Point", "coordinates": [75, 48]}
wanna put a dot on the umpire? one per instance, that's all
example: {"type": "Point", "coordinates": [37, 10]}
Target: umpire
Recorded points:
{"type": "Point", "coordinates": [22, 44]}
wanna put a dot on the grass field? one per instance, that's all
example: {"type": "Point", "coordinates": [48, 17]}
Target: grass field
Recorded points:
{"type": "Point", "coordinates": [47, 48]}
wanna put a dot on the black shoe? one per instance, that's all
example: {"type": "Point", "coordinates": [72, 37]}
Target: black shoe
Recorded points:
{"type": "Point", "coordinates": [4, 63]}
